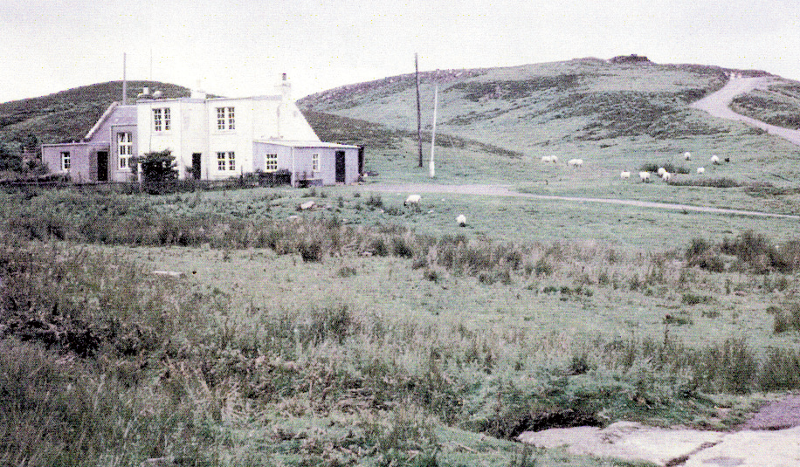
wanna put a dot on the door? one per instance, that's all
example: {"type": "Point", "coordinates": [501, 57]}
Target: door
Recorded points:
{"type": "Point", "coordinates": [340, 166]}
{"type": "Point", "coordinates": [102, 166]}
{"type": "Point", "coordinates": [361, 160]}
{"type": "Point", "coordinates": [196, 167]}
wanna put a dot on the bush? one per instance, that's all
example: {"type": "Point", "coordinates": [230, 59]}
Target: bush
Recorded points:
{"type": "Point", "coordinates": [159, 172]}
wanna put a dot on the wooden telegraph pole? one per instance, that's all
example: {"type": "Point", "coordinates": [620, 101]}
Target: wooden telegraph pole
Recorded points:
{"type": "Point", "coordinates": [419, 110]}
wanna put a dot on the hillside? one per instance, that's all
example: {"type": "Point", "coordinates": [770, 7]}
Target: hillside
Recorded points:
{"type": "Point", "coordinates": [535, 106]}
{"type": "Point", "coordinates": [67, 115]}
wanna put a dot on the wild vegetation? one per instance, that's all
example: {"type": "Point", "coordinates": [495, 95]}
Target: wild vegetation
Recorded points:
{"type": "Point", "coordinates": [229, 327]}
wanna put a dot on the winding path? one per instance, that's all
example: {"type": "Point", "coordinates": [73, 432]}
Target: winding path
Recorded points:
{"type": "Point", "coordinates": [718, 105]}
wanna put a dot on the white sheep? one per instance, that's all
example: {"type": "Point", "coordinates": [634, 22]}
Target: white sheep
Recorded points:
{"type": "Point", "coordinates": [701, 170]}
{"type": "Point", "coordinates": [644, 176]}
{"type": "Point", "coordinates": [624, 174]}
{"type": "Point", "coordinates": [547, 159]}
{"type": "Point", "coordinates": [661, 171]}
{"type": "Point", "coordinates": [412, 199]}
{"type": "Point", "coordinates": [554, 159]}
{"type": "Point", "coordinates": [666, 176]}
{"type": "Point", "coordinates": [575, 162]}
{"type": "Point", "coordinates": [687, 156]}
{"type": "Point", "coordinates": [715, 160]}
{"type": "Point", "coordinates": [461, 220]}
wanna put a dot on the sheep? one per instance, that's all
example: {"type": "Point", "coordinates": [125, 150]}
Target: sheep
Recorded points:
{"type": "Point", "coordinates": [461, 220]}
{"type": "Point", "coordinates": [715, 160]}
{"type": "Point", "coordinates": [575, 162]}
{"type": "Point", "coordinates": [412, 200]}
{"type": "Point", "coordinates": [547, 159]}
{"type": "Point", "coordinates": [661, 171]}
{"type": "Point", "coordinates": [624, 174]}
{"type": "Point", "coordinates": [701, 170]}
{"type": "Point", "coordinates": [554, 159]}
{"type": "Point", "coordinates": [644, 176]}
{"type": "Point", "coordinates": [666, 176]}
{"type": "Point", "coordinates": [687, 156]}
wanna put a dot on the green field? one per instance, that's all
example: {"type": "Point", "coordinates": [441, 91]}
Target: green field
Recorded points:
{"type": "Point", "coordinates": [216, 328]}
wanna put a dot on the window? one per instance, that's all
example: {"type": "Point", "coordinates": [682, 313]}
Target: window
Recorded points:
{"type": "Point", "coordinates": [315, 162]}
{"type": "Point", "coordinates": [226, 161]}
{"type": "Point", "coordinates": [66, 160]}
{"type": "Point", "coordinates": [271, 162]}
{"type": "Point", "coordinates": [225, 118]}
{"type": "Point", "coordinates": [161, 119]}
{"type": "Point", "coordinates": [124, 149]}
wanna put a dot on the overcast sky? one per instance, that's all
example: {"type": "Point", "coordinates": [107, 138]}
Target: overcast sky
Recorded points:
{"type": "Point", "coordinates": [240, 48]}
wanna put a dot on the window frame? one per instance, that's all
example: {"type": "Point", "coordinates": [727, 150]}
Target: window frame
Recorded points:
{"type": "Point", "coordinates": [271, 163]}
{"type": "Point", "coordinates": [66, 160]}
{"type": "Point", "coordinates": [124, 149]}
{"type": "Point", "coordinates": [315, 162]}
{"type": "Point", "coordinates": [226, 118]}
{"type": "Point", "coordinates": [162, 119]}
{"type": "Point", "coordinates": [226, 161]}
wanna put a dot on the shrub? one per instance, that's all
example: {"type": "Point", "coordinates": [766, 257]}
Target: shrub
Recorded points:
{"type": "Point", "coordinates": [159, 172]}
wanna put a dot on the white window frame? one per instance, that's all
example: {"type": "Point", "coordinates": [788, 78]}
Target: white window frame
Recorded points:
{"type": "Point", "coordinates": [161, 119]}
{"type": "Point", "coordinates": [66, 160]}
{"type": "Point", "coordinates": [124, 148]}
{"type": "Point", "coordinates": [315, 162]}
{"type": "Point", "coordinates": [226, 161]}
{"type": "Point", "coordinates": [226, 118]}
{"type": "Point", "coordinates": [270, 163]}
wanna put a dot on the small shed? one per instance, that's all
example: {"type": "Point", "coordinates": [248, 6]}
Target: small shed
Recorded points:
{"type": "Point", "coordinates": [310, 162]}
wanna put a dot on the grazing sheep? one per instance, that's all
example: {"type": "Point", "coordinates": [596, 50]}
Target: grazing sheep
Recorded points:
{"type": "Point", "coordinates": [461, 220]}
{"type": "Point", "coordinates": [715, 160]}
{"type": "Point", "coordinates": [687, 156]}
{"type": "Point", "coordinates": [701, 170]}
{"type": "Point", "coordinates": [412, 200]}
{"type": "Point", "coordinates": [547, 159]}
{"type": "Point", "coordinates": [666, 176]}
{"type": "Point", "coordinates": [624, 174]}
{"type": "Point", "coordinates": [661, 171]}
{"type": "Point", "coordinates": [575, 162]}
{"type": "Point", "coordinates": [644, 176]}
{"type": "Point", "coordinates": [554, 159]}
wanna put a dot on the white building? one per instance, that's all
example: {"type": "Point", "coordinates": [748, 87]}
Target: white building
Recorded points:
{"type": "Point", "coordinates": [211, 139]}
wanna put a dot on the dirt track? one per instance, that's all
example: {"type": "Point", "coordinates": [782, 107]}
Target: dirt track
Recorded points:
{"type": "Point", "coordinates": [718, 105]}
{"type": "Point", "coordinates": [504, 190]}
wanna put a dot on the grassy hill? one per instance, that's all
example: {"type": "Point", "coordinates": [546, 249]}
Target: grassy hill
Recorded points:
{"type": "Point", "coordinates": [67, 115]}
{"type": "Point", "coordinates": [495, 124]}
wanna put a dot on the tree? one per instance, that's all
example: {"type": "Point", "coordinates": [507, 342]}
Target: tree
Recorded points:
{"type": "Point", "coordinates": [159, 172]}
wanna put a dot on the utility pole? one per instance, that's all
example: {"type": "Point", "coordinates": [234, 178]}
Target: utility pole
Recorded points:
{"type": "Point", "coordinates": [433, 132]}
{"type": "Point", "coordinates": [419, 110]}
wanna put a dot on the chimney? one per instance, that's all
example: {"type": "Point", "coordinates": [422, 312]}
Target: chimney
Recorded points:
{"type": "Point", "coordinates": [285, 89]}
{"type": "Point", "coordinates": [198, 93]}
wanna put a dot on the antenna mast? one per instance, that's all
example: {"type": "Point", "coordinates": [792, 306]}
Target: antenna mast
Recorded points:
{"type": "Point", "coordinates": [419, 110]}
{"type": "Point", "coordinates": [124, 79]}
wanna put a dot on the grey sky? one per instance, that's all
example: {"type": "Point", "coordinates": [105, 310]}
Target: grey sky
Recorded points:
{"type": "Point", "coordinates": [239, 48]}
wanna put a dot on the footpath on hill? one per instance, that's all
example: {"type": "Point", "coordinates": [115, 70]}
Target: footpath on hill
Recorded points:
{"type": "Point", "coordinates": [718, 105]}
{"type": "Point", "coordinates": [771, 438]}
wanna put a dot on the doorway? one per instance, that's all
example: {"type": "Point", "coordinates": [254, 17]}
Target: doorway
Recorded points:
{"type": "Point", "coordinates": [340, 166]}
{"type": "Point", "coordinates": [102, 166]}
{"type": "Point", "coordinates": [196, 166]}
